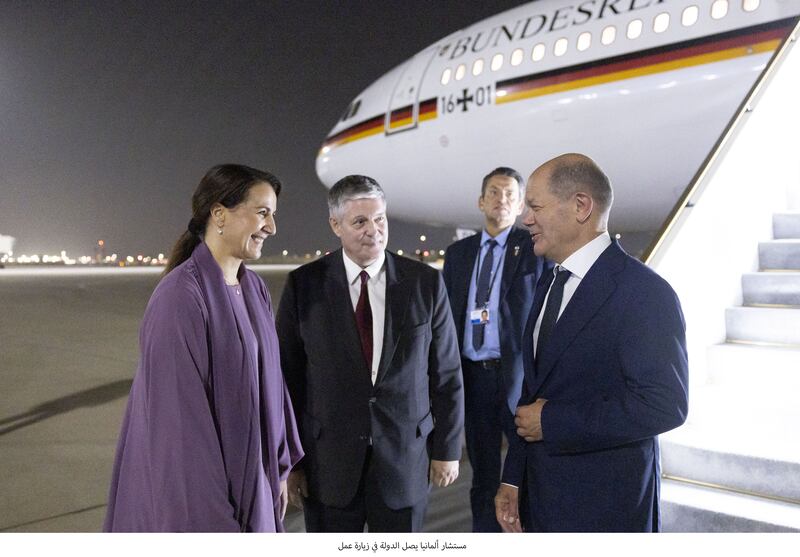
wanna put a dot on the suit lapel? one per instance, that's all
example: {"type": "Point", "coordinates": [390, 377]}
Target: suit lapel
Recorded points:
{"type": "Point", "coordinates": [592, 293]}
{"type": "Point", "coordinates": [394, 316]}
{"type": "Point", "coordinates": [342, 315]}
{"type": "Point", "coordinates": [511, 261]}
{"type": "Point", "coordinates": [470, 256]}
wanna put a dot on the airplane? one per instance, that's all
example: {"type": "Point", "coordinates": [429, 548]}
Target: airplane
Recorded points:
{"type": "Point", "coordinates": [644, 87]}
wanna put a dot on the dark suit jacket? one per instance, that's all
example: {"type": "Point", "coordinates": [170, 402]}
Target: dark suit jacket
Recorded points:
{"type": "Point", "coordinates": [615, 375]}
{"type": "Point", "coordinates": [521, 271]}
{"type": "Point", "coordinates": [415, 410]}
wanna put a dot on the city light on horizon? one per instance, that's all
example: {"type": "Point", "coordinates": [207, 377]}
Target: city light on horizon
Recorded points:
{"type": "Point", "coordinates": [142, 259]}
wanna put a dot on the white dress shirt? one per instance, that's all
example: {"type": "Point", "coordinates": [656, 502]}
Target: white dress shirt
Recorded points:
{"type": "Point", "coordinates": [376, 288]}
{"type": "Point", "coordinates": [578, 264]}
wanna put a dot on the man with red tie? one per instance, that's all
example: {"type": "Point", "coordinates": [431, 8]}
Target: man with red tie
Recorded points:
{"type": "Point", "coordinates": [370, 356]}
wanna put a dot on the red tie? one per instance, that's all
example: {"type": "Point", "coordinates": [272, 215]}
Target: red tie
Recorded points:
{"type": "Point", "coordinates": [364, 321]}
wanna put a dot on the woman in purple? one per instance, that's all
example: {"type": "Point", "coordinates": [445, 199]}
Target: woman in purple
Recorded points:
{"type": "Point", "coordinates": [209, 435]}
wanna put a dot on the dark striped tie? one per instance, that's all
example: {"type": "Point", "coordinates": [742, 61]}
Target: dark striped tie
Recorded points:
{"type": "Point", "coordinates": [364, 321]}
{"type": "Point", "coordinates": [551, 310]}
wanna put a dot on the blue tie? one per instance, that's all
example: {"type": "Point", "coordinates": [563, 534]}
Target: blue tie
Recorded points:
{"type": "Point", "coordinates": [482, 292]}
{"type": "Point", "coordinates": [551, 310]}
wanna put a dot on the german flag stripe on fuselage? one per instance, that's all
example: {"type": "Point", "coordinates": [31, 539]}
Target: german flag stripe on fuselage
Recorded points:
{"type": "Point", "coordinates": [400, 117]}
{"type": "Point", "coordinates": [723, 46]}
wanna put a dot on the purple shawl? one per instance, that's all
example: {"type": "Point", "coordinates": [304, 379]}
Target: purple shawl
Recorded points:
{"type": "Point", "coordinates": [207, 437]}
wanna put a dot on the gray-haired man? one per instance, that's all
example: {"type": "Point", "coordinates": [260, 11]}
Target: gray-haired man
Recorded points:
{"type": "Point", "coordinates": [369, 352]}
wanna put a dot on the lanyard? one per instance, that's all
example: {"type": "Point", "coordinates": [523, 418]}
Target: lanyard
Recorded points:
{"type": "Point", "coordinates": [500, 259]}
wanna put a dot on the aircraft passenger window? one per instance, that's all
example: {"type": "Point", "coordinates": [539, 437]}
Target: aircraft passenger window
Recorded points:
{"type": "Point", "coordinates": [477, 67]}
{"type": "Point", "coordinates": [689, 16]}
{"type": "Point", "coordinates": [661, 22]}
{"type": "Point", "coordinates": [560, 48]}
{"type": "Point", "coordinates": [609, 35]}
{"type": "Point", "coordinates": [516, 57]}
{"type": "Point", "coordinates": [460, 71]}
{"type": "Point", "coordinates": [446, 76]}
{"type": "Point", "coordinates": [497, 62]}
{"type": "Point", "coordinates": [635, 29]}
{"type": "Point", "coordinates": [584, 41]}
{"type": "Point", "coordinates": [719, 9]}
{"type": "Point", "coordinates": [750, 5]}
{"type": "Point", "coordinates": [538, 52]}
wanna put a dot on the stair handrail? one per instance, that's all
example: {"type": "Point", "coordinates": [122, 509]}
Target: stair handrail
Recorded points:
{"type": "Point", "coordinates": [698, 181]}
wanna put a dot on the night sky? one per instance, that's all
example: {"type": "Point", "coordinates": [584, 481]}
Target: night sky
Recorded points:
{"type": "Point", "coordinates": [111, 112]}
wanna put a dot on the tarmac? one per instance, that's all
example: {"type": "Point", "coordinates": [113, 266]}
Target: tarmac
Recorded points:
{"type": "Point", "coordinates": [68, 352]}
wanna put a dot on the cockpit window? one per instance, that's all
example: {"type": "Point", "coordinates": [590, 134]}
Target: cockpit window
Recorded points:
{"type": "Point", "coordinates": [351, 110]}
{"type": "Point", "coordinates": [356, 106]}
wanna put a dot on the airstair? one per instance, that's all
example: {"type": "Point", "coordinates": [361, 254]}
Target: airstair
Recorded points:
{"type": "Point", "coordinates": [735, 465]}
{"type": "Point", "coordinates": [731, 250]}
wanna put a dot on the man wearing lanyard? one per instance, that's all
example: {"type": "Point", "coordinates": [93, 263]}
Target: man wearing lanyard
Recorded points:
{"type": "Point", "coordinates": [490, 279]}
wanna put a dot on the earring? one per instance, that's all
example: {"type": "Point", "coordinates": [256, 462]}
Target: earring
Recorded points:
{"type": "Point", "coordinates": [219, 231]}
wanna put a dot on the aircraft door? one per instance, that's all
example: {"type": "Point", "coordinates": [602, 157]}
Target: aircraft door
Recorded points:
{"type": "Point", "coordinates": [403, 113]}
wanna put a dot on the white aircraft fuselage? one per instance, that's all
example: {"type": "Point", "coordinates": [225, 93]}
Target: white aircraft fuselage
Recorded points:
{"type": "Point", "coordinates": [645, 87]}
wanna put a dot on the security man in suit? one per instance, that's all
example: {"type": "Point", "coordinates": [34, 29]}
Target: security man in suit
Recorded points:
{"type": "Point", "coordinates": [606, 369]}
{"type": "Point", "coordinates": [370, 356]}
{"type": "Point", "coordinates": [491, 278]}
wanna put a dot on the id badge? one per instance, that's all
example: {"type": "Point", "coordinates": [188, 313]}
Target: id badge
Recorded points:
{"type": "Point", "coordinates": [479, 316]}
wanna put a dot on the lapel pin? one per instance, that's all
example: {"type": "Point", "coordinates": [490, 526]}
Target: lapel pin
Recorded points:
{"type": "Point", "coordinates": [516, 251]}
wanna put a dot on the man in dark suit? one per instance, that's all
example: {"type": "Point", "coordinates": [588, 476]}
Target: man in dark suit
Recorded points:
{"type": "Point", "coordinates": [370, 356]}
{"type": "Point", "coordinates": [605, 369]}
{"type": "Point", "coordinates": [491, 278]}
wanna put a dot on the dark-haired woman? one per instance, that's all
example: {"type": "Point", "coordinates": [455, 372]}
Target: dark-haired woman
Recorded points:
{"type": "Point", "coordinates": [209, 435]}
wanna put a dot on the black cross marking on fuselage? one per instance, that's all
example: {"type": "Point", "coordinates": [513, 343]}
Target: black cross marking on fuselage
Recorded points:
{"type": "Point", "coordinates": [465, 100]}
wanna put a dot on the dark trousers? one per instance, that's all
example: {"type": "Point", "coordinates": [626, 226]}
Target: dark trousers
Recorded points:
{"type": "Point", "coordinates": [487, 419]}
{"type": "Point", "coordinates": [366, 508]}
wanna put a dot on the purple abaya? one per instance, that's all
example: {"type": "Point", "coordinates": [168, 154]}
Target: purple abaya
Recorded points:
{"type": "Point", "coordinates": [209, 431]}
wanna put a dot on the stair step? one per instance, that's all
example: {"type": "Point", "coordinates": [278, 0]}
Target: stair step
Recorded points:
{"type": "Point", "coordinates": [786, 225]}
{"type": "Point", "coordinates": [759, 368]}
{"type": "Point", "coordinates": [691, 508]}
{"type": "Point", "coordinates": [780, 326]}
{"type": "Point", "coordinates": [771, 289]}
{"type": "Point", "coordinates": [738, 463]}
{"type": "Point", "coordinates": [779, 255]}
{"type": "Point", "coordinates": [760, 419]}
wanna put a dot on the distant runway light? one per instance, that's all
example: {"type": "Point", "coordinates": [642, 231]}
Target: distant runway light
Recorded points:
{"type": "Point", "coordinates": [422, 238]}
